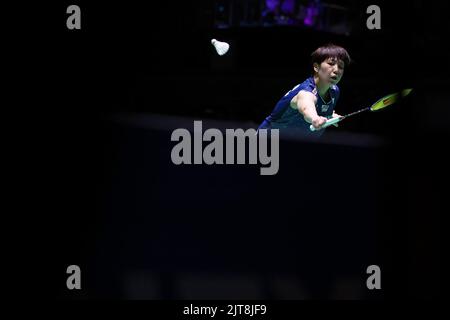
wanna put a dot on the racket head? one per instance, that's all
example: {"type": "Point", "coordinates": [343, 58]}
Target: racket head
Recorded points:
{"type": "Point", "coordinates": [389, 99]}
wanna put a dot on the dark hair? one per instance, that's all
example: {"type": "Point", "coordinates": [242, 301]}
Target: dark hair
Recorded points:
{"type": "Point", "coordinates": [330, 51]}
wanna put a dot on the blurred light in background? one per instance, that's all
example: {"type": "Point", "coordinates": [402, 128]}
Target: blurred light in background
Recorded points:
{"type": "Point", "coordinates": [316, 14]}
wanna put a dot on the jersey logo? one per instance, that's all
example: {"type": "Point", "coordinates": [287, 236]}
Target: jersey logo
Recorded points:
{"type": "Point", "coordinates": [325, 107]}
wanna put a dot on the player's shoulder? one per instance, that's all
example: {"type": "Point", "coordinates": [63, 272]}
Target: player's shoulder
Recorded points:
{"type": "Point", "coordinates": [308, 86]}
{"type": "Point", "coordinates": [306, 94]}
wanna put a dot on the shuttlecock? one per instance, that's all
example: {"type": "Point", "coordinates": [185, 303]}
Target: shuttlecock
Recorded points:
{"type": "Point", "coordinates": [221, 47]}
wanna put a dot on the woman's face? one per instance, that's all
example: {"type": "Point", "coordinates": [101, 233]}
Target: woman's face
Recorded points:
{"type": "Point", "coordinates": [330, 70]}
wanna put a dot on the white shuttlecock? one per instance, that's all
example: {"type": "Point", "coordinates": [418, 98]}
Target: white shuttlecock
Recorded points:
{"type": "Point", "coordinates": [221, 47]}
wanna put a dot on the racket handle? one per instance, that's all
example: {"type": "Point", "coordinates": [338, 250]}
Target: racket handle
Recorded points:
{"type": "Point", "coordinates": [327, 123]}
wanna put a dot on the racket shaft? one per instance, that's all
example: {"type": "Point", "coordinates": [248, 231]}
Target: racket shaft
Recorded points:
{"type": "Point", "coordinates": [356, 112]}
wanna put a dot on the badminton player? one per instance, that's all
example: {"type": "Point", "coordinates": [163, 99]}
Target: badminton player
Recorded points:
{"type": "Point", "coordinates": [313, 101]}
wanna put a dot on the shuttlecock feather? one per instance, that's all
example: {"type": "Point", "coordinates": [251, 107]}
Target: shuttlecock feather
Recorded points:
{"type": "Point", "coordinates": [221, 47]}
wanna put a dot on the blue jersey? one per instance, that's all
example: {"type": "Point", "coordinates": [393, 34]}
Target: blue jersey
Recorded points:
{"type": "Point", "coordinates": [284, 116]}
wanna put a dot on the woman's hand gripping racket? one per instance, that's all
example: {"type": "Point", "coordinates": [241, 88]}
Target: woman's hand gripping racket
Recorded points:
{"type": "Point", "coordinates": [379, 105]}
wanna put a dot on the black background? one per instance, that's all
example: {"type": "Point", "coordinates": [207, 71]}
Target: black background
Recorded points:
{"type": "Point", "coordinates": [156, 58]}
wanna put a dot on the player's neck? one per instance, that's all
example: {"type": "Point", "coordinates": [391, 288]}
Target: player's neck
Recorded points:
{"type": "Point", "coordinates": [321, 87]}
